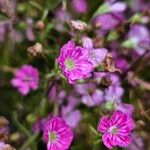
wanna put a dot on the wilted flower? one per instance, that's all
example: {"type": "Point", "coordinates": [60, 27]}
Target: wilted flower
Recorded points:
{"type": "Point", "coordinates": [74, 62]}
{"type": "Point", "coordinates": [57, 134]}
{"type": "Point", "coordinates": [26, 79]}
{"type": "Point", "coordinates": [35, 50]}
{"type": "Point", "coordinates": [80, 6]}
{"type": "Point", "coordinates": [39, 25]}
{"type": "Point", "coordinates": [97, 55]}
{"type": "Point", "coordinates": [90, 94]}
{"type": "Point", "coordinates": [79, 25]}
{"type": "Point", "coordinates": [116, 130]}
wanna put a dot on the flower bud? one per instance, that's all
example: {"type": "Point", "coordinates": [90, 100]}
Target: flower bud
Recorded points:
{"type": "Point", "coordinates": [79, 25]}
{"type": "Point", "coordinates": [39, 25]}
{"type": "Point", "coordinates": [35, 50]}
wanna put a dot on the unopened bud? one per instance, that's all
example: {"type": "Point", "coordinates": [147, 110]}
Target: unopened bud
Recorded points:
{"type": "Point", "coordinates": [79, 25]}
{"type": "Point", "coordinates": [35, 50]}
{"type": "Point", "coordinates": [39, 25]}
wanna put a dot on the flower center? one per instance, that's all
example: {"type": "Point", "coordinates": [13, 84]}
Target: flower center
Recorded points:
{"type": "Point", "coordinates": [113, 130]}
{"type": "Point", "coordinates": [69, 64]}
{"type": "Point", "coordinates": [52, 136]}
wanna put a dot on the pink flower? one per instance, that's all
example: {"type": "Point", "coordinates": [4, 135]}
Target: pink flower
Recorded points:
{"type": "Point", "coordinates": [116, 130]}
{"type": "Point", "coordinates": [73, 60]}
{"type": "Point", "coordinates": [57, 134]}
{"type": "Point", "coordinates": [97, 55]}
{"type": "Point", "coordinates": [90, 94]}
{"type": "Point", "coordinates": [80, 6]}
{"type": "Point", "coordinates": [26, 79]}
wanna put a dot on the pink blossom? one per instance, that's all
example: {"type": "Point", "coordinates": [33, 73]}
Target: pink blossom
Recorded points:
{"type": "Point", "coordinates": [80, 6]}
{"type": "Point", "coordinates": [90, 94]}
{"type": "Point", "coordinates": [57, 134]}
{"type": "Point", "coordinates": [74, 62]}
{"type": "Point", "coordinates": [114, 20]}
{"type": "Point", "coordinates": [70, 114]}
{"type": "Point", "coordinates": [116, 130]}
{"type": "Point", "coordinates": [26, 79]}
{"type": "Point", "coordinates": [97, 55]}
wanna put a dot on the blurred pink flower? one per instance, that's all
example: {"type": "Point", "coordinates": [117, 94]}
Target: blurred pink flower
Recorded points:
{"type": "Point", "coordinates": [80, 6]}
{"type": "Point", "coordinates": [74, 62]}
{"type": "Point", "coordinates": [26, 79]}
{"type": "Point", "coordinates": [116, 130]}
{"type": "Point", "coordinates": [136, 35]}
{"type": "Point", "coordinates": [97, 55]}
{"type": "Point", "coordinates": [137, 143]}
{"type": "Point", "coordinates": [114, 20]}
{"type": "Point", "coordinates": [57, 134]}
{"type": "Point", "coordinates": [70, 114]}
{"type": "Point", "coordinates": [90, 94]}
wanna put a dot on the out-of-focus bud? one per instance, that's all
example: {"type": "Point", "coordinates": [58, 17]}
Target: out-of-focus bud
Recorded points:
{"type": "Point", "coordinates": [4, 146]}
{"type": "Point", "coordinates": [39, 25]}
{"type": "Point", "coordinates": [109, 64]}
{"type": "Point", "coordinates": [14, 137]}
{"type": "Point", "coordinates": [5, 8]}
{"type": "Point", "coordinates": [79, 25]}
{"type": "Point", "coordinates": [4, 129]}
{"type": "Point", "coordinates": [35, 50]}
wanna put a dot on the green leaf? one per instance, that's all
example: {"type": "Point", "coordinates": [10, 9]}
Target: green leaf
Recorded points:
{"type": "Point", "coordinates": [53, 3]}
{"type": "Point", "coordinates": [94, 131]}
{"type": "Point", "coordinates": [130, 43]}
{"type": "Point", "coordinates": [102, 9]}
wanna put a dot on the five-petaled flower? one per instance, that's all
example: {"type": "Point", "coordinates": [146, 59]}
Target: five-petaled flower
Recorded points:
{"type": "Point", "coordinates": [74, 62]}
{"type": "Point", "coordinates": [57, 134]}
{"type": "Point", "coordinates": [116, 130]}
{"type": "Point", "coordinates": [26, 79]}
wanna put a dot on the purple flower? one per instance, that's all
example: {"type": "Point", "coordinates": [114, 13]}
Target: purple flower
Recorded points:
{"type": "Point", "coordinates": [97, 55]}
{"type": "Point", "coordinates": [137, 143]}
{"type": "Point", "coordinates": [29, 31]}
{"type": "Point", "coordinates": [137, 34]}
{"type": "Point", "coordinates": [72, 118]}
{"type": "Point", "coordinates": [114, 93]}
{"type": "Point", "coordinates": [100, 76]}
{"type": "Point", "coordinates": [39, 125]}
{"type": "Point", "coordinates": [90, 95]}
{"type": "Point", "coordinates": [62, 17]}
{"type": "Point", "coordinates": [70, 114]}
{"type": "Point", "coordinates": [125, 108]}
{"type": "Point", "coordinates": [57, 134]}
{"type": "Point", "coordinates": [80, 6]}
{"type": "Point", "coordinates": [116, 130]}
{"type": "Point", "coordinates": [26, 79]}
{"type": "Point", "coordinates": [74, 62]}
{"type": "Point", "coordinates": [114, 20]}
{"type": "Point", "coordinates": [117, 7]}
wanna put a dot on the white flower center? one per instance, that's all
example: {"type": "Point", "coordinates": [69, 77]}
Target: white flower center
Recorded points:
{"type": "Point", "coordinates": [113, 130]}
{"type": "Point", "coordinates": [69, 64]}
{"type": "Point", "coordinates": [52, 136]}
